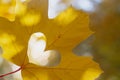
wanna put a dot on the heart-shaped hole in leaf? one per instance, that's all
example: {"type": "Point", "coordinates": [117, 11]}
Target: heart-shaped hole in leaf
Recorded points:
{"type": "Point", "coordinates": [37, 54]}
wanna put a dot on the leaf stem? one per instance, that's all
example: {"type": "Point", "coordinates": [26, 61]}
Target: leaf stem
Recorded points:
{"type": "Point", "coordinates": [1, 76]}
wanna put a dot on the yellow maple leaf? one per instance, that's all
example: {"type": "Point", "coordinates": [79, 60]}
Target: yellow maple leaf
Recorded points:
{"type": "Point", "coordinates": [61, 37]}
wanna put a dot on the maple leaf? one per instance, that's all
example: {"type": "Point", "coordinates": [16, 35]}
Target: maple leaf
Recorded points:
{"type": "Point", "coordinates": [63, 33]}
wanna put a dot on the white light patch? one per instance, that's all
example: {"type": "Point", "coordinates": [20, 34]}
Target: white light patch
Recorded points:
{"type": "Point", "coordinates": [86, 5]}
{"type": "Point", "coordinates": [55, 7]}
{"type": "Point", "coordinates": [36, 45]}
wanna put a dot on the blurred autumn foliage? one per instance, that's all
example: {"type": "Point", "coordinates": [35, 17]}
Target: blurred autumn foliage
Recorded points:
{"type": "Point", "coordinates": [104, 45]}
{"type": "Point", "coordinates": [105, 21]}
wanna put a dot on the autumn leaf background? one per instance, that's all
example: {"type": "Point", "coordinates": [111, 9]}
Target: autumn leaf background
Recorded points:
{"type": "Point", "coordinates": [104, 20]}
{"type": "Point", "coordinates": [101, 46]}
